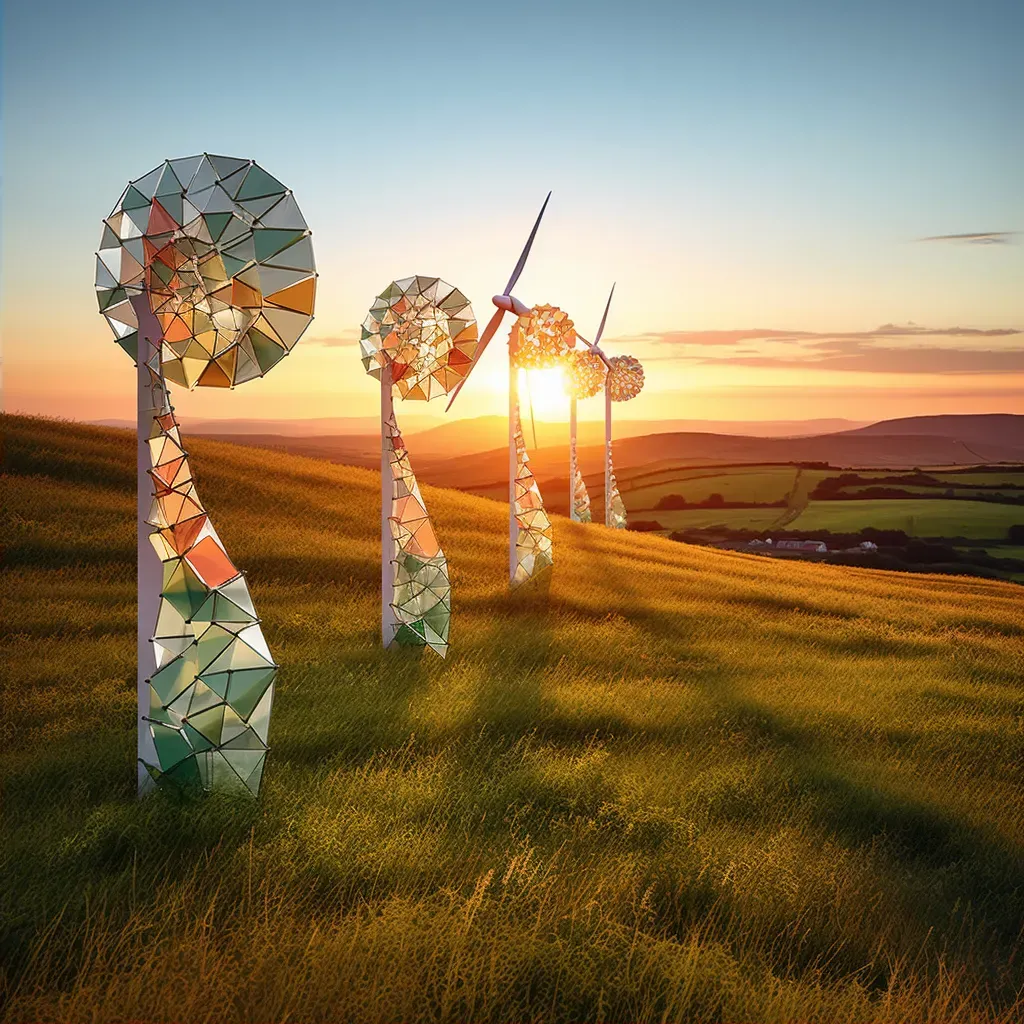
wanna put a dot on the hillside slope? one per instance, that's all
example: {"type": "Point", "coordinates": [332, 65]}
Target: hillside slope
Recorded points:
{"type": "Point", "coordinates": [988, 428]}
{"type": "Point", "coordinates": [839, 449]}
{"type": "Point", "coordinates": [486, 472]}
{"type": "Point", "coordinates": [670, 784]}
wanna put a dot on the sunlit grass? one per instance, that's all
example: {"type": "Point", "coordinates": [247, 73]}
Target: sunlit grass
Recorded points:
{"type": "Point", "coordinates": [673, 784]}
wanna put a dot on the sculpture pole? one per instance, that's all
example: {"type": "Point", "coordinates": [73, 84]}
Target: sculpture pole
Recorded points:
{"type": "Point", "coordinates": [623, 382]}
{"type": "Point", "coordinates": [572, 460]}
{"type": "Point", "coordinates": [418, 338]}
{"type": "Point", "coordinates": [513, 463]}
{"type": "Point", "coordinates": [607, 455]}
{"type": "Point", "coordinates": [149, 573]}
{"type": "Point", "coordinates": [388, 622]}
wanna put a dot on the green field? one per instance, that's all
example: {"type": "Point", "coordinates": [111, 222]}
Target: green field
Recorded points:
{"type": "Point", "coordinates": [918, 518]}
{"type": "Point", "coordinates": [961, 493]}
{"type": "Point", "coordinates": [969, 479]}
{"type": "Point", "coordinates": [739, 484]}
{"type": "Point", "coordinates": [671, 784]}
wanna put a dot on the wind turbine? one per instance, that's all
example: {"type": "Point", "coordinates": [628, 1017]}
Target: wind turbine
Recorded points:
{"type": "Point", "coordinates": [529, 529]}
{"type": "Point", "coordinates": [624, 380]}
{"type": "Point", "coordinates": [506, 302]}
{"type": "Point", "coordinates": [585, 372]}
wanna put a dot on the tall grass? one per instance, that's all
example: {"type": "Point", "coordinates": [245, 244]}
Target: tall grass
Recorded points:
{"type": "Point", "coordinates": [673, 784]}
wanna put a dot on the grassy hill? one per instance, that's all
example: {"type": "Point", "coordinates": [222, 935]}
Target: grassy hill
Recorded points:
{"type": "Point", "coordinates": [986, 428]}
{"type": "Point", "coordinates": [672, 784]}
{"type": "Point", "coordinates": [472, 455]}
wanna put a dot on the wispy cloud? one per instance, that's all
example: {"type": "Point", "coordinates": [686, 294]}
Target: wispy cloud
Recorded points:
{"type": "Point", "coordinates": [714, 337]}
{"type": "Point", "coordinates": [975, 238]}
{"type": "Point", "coordinates": [891, 348]}
{"type": "Point", "coordinates": [344, 339]}
{"type": "Point", "coordinates": [734, 337]}
{"type": "Point", "coordinates": [844, 354]}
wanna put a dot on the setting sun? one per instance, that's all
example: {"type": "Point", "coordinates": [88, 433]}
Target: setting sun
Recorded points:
{"type": "Point", "coordinates": [545, 389]}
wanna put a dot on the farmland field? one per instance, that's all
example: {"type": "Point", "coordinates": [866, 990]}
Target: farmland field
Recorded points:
{"type": "Point", "coordinates": [968, 479]}
{"type": "Point", "coordinates": [934, 492]}
{"type": "Point", "coordinates": [740, 484]}
{"type": "Point", "coordinates": [917, 518]}
{"type": "Point", "coordinates": [667, 784]}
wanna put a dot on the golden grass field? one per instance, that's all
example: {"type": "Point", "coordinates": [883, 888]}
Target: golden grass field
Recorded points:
{"type": "Point", "coordinates": [672, 784]}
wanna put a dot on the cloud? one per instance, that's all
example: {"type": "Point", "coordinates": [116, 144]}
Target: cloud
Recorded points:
{"type": "Point", "coordinates": [845, 354]}
{"type": "Point", "coordinates": [713, 337]}
{"type": "Point", "coordinates": [734, 337]}
{"type": "Point", "coordinates": [976, 238]}
{"type": "Point", "coordinates": [344, 339]}
{"type": "Point", "coordinates": [890, 348]}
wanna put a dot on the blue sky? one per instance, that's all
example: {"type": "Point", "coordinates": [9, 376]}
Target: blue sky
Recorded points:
{"type": "Point", "coordinates": [732, 166]}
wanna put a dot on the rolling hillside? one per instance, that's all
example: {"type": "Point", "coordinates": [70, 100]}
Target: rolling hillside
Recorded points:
{"type": "Point", "coordinates": [670, 783]}
{"type": "Point", "coordinates": [991, 428]}
{"type": "Point", "coordinates": [485, 472]}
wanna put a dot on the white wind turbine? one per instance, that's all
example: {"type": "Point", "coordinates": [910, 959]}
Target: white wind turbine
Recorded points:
{"type": "Point", "coordinates": [506, 302]}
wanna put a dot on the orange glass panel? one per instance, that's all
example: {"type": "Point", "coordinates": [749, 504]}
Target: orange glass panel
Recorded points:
{"type": "Point", "coordinates": [160, 221]}
{"type": "Point", "coordinates": [214, 377]}
{"type": "Point", "coordinates": [298, 297]}
{"type": "Point", "coordinates": [210, 562]}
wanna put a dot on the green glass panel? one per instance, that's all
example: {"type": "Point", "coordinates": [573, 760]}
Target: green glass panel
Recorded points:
{"type": "Point", "coordinates": [177, 675]}
{"type": "Point", "coordinates": [216, 222]}
{"type": "Point", "coordinates": [134, 199]}
{"type": "Point", "coordinates": [266, 351]}
{"type": "Point", "coordinates": [130, 343]}
{"type": "Point", "coordinates": [243, 761]}
{"type": "Point", "coordinates": [272, 240]}
{"type": "Point", "coordinates": [196, 738]}
{"type": "Point", "coordinates": [258, 183]}
{"type": "Point", "coordinates": [246, 688]}
{"type": "Point", "coordinates": [171, 746]}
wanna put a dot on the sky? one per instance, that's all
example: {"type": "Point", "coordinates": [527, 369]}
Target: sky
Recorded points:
{"type": "Point", "coordinates": [808, 209]}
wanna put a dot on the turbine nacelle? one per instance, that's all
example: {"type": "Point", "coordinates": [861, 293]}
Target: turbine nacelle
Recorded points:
{"type": "Point", "coordinates": [510, 304]}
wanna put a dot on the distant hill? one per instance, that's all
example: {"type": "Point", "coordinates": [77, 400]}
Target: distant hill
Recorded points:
{"type": "Point", "coordinates": [334, 426]}
{"type": "Point", "coordinates": [989, 439]}
{"type": "Point", "coordinates": [991, 428]}
{"type": "Point", "coordinates": [464, 436]}
{"type": "Point", "coordinates": [480, 472]}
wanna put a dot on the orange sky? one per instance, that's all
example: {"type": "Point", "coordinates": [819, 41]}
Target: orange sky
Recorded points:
{"type": "Point", "coordinates": [771, 167]}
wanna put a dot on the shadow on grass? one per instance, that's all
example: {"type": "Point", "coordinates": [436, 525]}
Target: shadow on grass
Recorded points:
{"type": "Point", "coordinates": [342, 713]}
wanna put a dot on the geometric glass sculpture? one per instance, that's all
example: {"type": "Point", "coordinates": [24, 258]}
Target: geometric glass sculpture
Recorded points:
{"type": "Point", "coordinates": [206, 276]}
{"type": "Point", "coordinates": [580, 511]}
{"type": "Point", "coordinates": [625, 378]}
{"type": "Point", "coordinates": [541, 337]}
{"type": "Point", "coordinates": [504, 303]}
{"type": "Point", "coordinates": [584, 373]}
{"type": "Point", "coordinates": [624, 381]}
{"type": "Point", "coordinates": [420, 338]}
{"type": "Point", "coordinates": [224, 255]}
{"type": "Point", "coordinates": [616, 507]}
{"type": "Point", "coordinates": [533, 527]}
{"type": "Point", "coordinates": [213, 685]}
{"type": "Point", "coordinates": [584, 377]}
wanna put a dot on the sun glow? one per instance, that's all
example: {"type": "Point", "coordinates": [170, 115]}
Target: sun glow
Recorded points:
{"type": "Point", "coordinates": [546, 390]}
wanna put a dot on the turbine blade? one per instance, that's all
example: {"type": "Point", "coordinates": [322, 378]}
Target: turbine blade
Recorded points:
{"type": "Point", "coordinates": [526, 251]}
{"type": "Point", "coordinates": [485, 339]}
{"type": "Point", "coordinates": [608, 305]}
{"type": "Point", "coordinates": [594, 347]}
